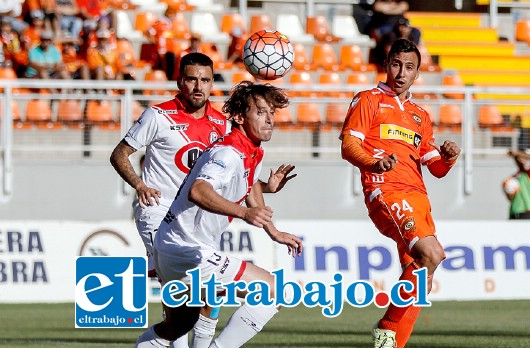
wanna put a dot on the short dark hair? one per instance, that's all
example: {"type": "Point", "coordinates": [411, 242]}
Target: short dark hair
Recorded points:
{"type": "Point", "coordinates": [404, 45]}
{"type": "Point", "coordinates": [237, 103]}
{"type": "Point", "coordinates": [195, 58]}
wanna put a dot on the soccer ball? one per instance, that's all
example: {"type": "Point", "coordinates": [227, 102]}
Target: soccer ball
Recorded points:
{"type": "Point", "coordinates": [268, 54]}
{"type": "Point", "coordinates": [510, 186]}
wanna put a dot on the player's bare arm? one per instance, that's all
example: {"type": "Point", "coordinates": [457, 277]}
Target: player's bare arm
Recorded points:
{"type": "Point", "coordinates": [121, 163]}
{"type": "Point", "coordinates": [278, 178]}
{"type": "Point", "coordinates": [293, 243]}
{"type": "Point", "coordinates": [203, 195]}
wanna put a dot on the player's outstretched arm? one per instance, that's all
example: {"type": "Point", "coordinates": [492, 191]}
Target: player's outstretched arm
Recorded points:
{"type": "Point", "coordinates": [278, 178]}
{"type": "Point", "coordinates": [204, 195]}
{"type": "Point", "coordinates": [121, 163]}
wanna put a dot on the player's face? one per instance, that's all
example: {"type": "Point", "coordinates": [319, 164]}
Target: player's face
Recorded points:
{"type": "Point", "coordinates": [259, 121]}
{"type": "Point", "coordinates": [195, 85]}
{"type": "Point", "coordinates": [401, 72]}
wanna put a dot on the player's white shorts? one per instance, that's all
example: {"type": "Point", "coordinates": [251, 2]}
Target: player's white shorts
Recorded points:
{"type": "Point", "coordinates": [147, 222]}
{"type": "Point", "coordinates": [174, 266]}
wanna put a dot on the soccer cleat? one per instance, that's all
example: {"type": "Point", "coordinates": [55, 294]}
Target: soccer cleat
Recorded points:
{"type": "Point", "coordinates": [383, 338]}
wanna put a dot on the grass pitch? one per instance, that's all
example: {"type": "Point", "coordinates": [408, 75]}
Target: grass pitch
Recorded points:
{"type": "Point", "coordinates": [484, 324]}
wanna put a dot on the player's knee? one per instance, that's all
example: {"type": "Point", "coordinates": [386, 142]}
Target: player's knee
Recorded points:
{"type": "Point", "coordinates": [181, 320]}
{"type": "Point", "coordinates": [432, 257]}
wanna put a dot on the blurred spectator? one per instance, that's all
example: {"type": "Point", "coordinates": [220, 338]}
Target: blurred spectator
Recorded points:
{"type": "Point", "coordinates": [11, 10]}
{"type": "Point", "coordinates": [235, 50]}
{"type": "Point", "coordinates": [69, 17]}
{"type": "Point", "coordinates": [517, 187]}
{"type": "Point", "coordinates": [45, 60]}
{"type": "Point", "coordinates": [13, 54]}
{"type": "Point", "coordinates": [31, 35]}
{"type": "Point", "coordinates": [76, 66]}
{"type": "Point", "coordinates": [103, 59]}
{"type": "Point", "coordinates": [48, 10]}
{"type": "Point", "coordinates": [98, 10]}
{"type": "Point", "coordinates": [362, 14]}
{"type": "Point", "coordinates": [386, 13]}
{"type": "Point", "coordinates": [401, 30]}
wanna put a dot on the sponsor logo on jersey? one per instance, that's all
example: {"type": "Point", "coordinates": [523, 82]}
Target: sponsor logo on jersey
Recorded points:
{"type": "Point", "coordinates": [216, 121]}
{"type": "Point", "coordinates": [225, 266]}
{"type": "Point", "coordinates": [392, 131]}
{"type": "Point", "coordinates": [111, 292]}
{"type": "Point", "coordinates": [172, 112]}
{"type": "Point", "coordinates": [246, 174]}
{"type": "Point", "coordinates": [218, 162]}
{"type": "Point", "coordinates": [179, 127]}
{"type": "Point", "coordinates": [383, 105]}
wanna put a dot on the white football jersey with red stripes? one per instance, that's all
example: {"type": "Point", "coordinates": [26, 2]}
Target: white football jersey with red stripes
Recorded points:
{"type": "Point", "coordinates": [174, 140]}
{"type": "Point", "coordinates": [231, 166]}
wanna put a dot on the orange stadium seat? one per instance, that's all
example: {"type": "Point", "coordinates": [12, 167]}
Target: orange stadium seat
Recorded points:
{"type": "Point", "coordinates": [422, 95]}
{"type": "Point", "coordinates": [99, 113]}
{"type": "Point", "coordinates": [70, 114]}
{"type": "Point", "coordinates": [427, 63]}
{"type": "Point", "coordinates": [332, 79]}
{"type": "Point", "coordinates": [180, 27]}
{"type": "Point", "coordinates": [39, 112]}
{"type": "Point", "coordinates": [358, 79]}
{"type": "Point", "coordinates": [522, 30]}
{"type": "Point", "coordinates": [319, 28]}
{"type": "Point", "coordinates": [283, 118]}
{"type": "Point", "coordinates": [144, 21]}
{"type": "Point", "coordinates": [453, 80]}
{"type": "Point", "coordinates": [336, 113]}
{"type": "Point", "coordinates": [490, 116]}
{"type": "Point", "coordinates": [178, 5]}
{"type": "Point", "coordinates": [260, 22]}
{"type": "Point", "coordinates": [229, 21]}
{"type": "Point", "coordinates": [301, 79]}
{"type": "Point", "coordinates": [324, 57]}
{"type": "Point", "coordinates": [301, 59]}
{"type": "Point", "coordinates": [156, 76]}
{"type": "Point", "coordinates": [308, 114]}
{"type": "Point", "coordinates": [242, 75]}
{"type": "Point", "coordinates": [351, 57]}
{"type": "Point", "coordinates": [450, 116]}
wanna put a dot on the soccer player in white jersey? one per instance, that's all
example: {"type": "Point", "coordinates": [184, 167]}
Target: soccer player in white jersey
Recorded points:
{"type": "Point", "coordinates": [175, 133]}
{"type": "Point", "coordinates": [224, 176]}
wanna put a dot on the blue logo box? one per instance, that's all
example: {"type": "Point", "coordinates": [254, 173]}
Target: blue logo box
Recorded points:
{"type": "Point", "coordinates": [111, 292]}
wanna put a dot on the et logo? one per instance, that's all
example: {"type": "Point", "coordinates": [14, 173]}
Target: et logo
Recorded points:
{"type": "Point", "coordinates": [111, 292]}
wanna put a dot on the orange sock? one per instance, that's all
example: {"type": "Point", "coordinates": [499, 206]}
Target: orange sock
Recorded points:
{"type": "Point", "coordinates": [406, 325]}
{"type": "Point", "coordinates": [394, 314]}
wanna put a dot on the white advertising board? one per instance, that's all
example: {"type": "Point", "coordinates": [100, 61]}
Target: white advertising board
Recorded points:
{"type": "Point", "coordinates": [485, 259]}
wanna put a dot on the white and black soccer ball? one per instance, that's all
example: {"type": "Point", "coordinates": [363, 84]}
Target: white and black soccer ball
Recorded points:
{"type": "Point", "coordinates": [268, 54]}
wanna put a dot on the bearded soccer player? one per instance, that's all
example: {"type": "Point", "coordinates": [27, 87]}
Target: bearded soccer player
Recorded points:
{"type": "Point", "coordinates": [389, 137]}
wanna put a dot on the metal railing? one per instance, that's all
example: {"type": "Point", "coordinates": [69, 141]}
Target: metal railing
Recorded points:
{"type": "Point", "coordinates": [296, 141]}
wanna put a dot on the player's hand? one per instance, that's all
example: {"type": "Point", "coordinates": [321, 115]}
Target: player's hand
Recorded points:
{"type": "Point", "coordinates": [294, 244]}
{"type": "Point", "coordinates": [449, 151]}
{"type": "Point", "coordinates": [385, 164]}
{"type": "Point", "coordinates": [258, 216]}
{"type": "Point", "coordinates": [278, 178]}
{"type": "Point", "coordinates": [148, 196]}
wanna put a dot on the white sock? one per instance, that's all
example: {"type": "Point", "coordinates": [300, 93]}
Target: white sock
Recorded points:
{"type": "Point", "coordinates": [149, 339]}
{"type": "Point", "coordinates": [244, 324]}
{"type": "Point", "coordinates": [203, 332]}
{"type": "Point", "coordinates": [181, 342]}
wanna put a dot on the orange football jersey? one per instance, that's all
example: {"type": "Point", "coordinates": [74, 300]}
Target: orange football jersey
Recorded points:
{"type": "Point", "coordinates": [388, 126]}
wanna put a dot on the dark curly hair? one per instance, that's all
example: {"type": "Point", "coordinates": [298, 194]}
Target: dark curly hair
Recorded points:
{"type": "Point", "coordinates": [238, 102]}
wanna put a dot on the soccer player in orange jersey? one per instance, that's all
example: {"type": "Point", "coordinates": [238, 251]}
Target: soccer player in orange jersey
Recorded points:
{"type": "Point", "coordinates": [388, 137]}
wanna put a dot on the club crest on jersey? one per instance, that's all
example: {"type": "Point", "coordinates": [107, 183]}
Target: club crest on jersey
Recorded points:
{"type": "Point", "coordinates": [392, 131]}
{"type": "Point", "coordinates": [246, 174]}
{"type": "Point", "coordinates": [179, 127]}
{"type": "Point", "coordinates": [213, 137]}
{"type": "Point", "coordinates": [216, 121]}
{"type": "Point", "coordinates": [416, 117]}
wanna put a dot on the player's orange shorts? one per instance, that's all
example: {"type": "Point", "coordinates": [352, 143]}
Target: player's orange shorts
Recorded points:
{"type": "Point", "coordinates": [404, 217]}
